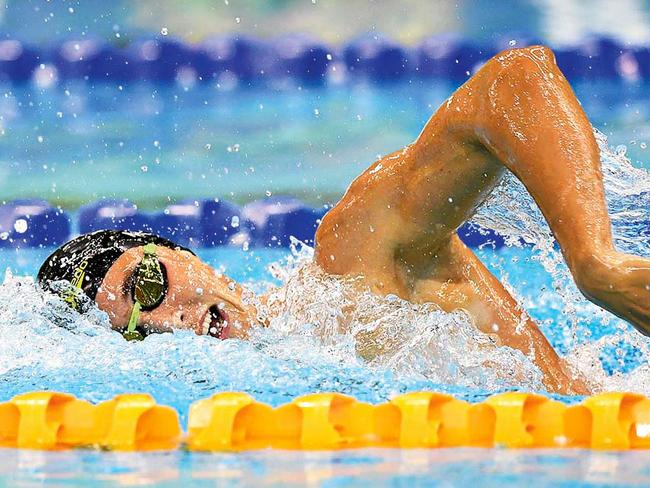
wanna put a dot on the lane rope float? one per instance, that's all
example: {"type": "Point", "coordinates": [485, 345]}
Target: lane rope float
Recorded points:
{"type": "Point", "coordinates": [234, 421]}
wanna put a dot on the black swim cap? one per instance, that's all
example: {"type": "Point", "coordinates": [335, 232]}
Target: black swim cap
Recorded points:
{"type": "Point", "coordinates": [85, 260]}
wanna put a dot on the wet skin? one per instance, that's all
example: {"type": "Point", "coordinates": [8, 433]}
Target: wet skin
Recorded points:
{"type": "Point", "coordinates": [193, 288]}
{"type": "Point", "coordinates": [396, 224]}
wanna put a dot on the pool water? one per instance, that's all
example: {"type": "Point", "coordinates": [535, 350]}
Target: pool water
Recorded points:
{"type": "Point", "coordinates": [174, 143]}
{"type": "Point", "coordinates": [154, 144]}
{"type": "Point", "coordinates": [363, 467]}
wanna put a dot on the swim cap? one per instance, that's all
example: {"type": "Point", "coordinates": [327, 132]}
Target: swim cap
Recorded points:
{"type": "Point", "coordinates": [85, 260]}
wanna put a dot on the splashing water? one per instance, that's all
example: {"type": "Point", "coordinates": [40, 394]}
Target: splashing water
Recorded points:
{"type": "Point", "coordinates": [416, 341]}
{"type": "Point", "coordinates": [328, 334]}
{"type": "Point", "coordinates": [511, 211]}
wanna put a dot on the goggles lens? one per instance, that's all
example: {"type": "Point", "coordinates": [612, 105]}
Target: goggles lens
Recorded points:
{"type": "Point", "coordinates": [149, 286]}
{"type": "Point", "coordinates": [148, 290]}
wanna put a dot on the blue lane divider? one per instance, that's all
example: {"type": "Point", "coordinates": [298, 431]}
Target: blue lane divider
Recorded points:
{"type": "Point", "coordinates": [302, 58]}
{"type": "Point", "coordinates": [113, 214]}
{"type": "Point", "coordinates": [159, 60]}
{"type": "Point", "coordinates": [270, 222]}
{"type": "Point", "coordinates": [273, 221]}
{"type": "Point", "coordinates": [599, 58]}
{"type": "Point", "coordinates": [89, 59]}
{"type": "Point", "coordinates": [239, 59]}
{"type": "Point", "coordinates": [17, 61]}
{"type": "Point", "coordinates": [180, 223]}
{"type": "Point", "coordinates": [377, 58]}
{"type": "Point", "coordinates": [228, 59]}
{"type": "Point", "coordinates": [220, 221]}
{"type": "Point", "coordinates": [449, 56]}
{"type": "Point", "coordinates": [32, 223]}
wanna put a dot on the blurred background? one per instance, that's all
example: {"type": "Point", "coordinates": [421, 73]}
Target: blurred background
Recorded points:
{"type": "Point", "coordinates": [334, 21]}
{"type": "Point", "coordinates": [170, 102]}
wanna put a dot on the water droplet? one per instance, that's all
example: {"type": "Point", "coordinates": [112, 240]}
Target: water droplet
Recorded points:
{"type": "Point", "coordinates": [643, 145]}
{"type": "Point", "coordinates": [234, 221]}
{"type": "Point", "coordinates": [71, 10]}
{"type": "Point", "coordinates": [268, 193]}
{"type": "Point", "coordinates": [245, 246]}
{"type": "Point", "coordinates": [4, 236]}
{"type": "Point", "coordinates": [208, 146]}
{"type": "Point", "coordinates": [20, 226]}
{"type": "Point", "coordinates": [232, 286]}
{"type": "Point", "coordinates": [144, 168]}
{"type": "Point", "coordinates": [59, 115]}
{"type": "Point", "coordinates": [233, 148]}
{"type": "Point", "coordinates": [238, 20]}
{"type": "Point", "coordinates": [156, 143]}
{"type": "Point", "coordinates": [512, 43]}
{"type": "Point", "coordinates": [39, 138]}
{"type": "Point", "coordinates": [450, 200]}
{"type": "Point", "coordinates": [199, 291]}
{"type": "Point", "coordinates": [329, 57]}
{"type": "Point", "coordinates": [164, 31]}
{"type": "Point", "coordinates": [316, 112]}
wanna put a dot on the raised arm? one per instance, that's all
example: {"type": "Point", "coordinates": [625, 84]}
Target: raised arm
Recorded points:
{"type": "Point", "coordinates": [517, 113]}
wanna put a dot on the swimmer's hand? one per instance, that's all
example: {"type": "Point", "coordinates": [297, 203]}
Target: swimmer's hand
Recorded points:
{"type": "Point", "coordinates": [621, 285]}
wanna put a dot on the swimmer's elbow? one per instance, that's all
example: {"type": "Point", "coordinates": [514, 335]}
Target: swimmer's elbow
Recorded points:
{"type": "Point", "coordinates": [526, 59]}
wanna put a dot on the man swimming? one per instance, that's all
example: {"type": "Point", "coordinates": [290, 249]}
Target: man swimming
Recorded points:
{"type": "Point", "coordinates": [395, 228]}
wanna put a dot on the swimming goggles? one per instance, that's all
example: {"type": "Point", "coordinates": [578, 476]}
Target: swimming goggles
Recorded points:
{"type": "Point", "coordinates": [148, 291]}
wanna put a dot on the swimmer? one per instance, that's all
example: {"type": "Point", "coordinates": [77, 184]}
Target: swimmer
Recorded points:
{"type": "Point", "coordinates": [395, 227]}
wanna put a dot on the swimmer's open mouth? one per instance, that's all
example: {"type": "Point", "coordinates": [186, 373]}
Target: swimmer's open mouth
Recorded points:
{"type": "Point", "coordinates": [214, 323]}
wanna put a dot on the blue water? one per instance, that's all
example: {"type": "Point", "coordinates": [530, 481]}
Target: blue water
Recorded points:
{"type": "Point", "coordinates": [364, 467]}
{"type": "Point", "coordinates": [156, 144]}
{"type": "Point", "coordinates": [170, 144]}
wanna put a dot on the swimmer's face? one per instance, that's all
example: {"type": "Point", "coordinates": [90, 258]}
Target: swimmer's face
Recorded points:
{"type": "Point", "coordinates": [197, 298]}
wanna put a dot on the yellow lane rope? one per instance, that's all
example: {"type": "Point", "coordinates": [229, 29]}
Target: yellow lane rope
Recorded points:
{"type": "Point", "coordinates": [236, 422]}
